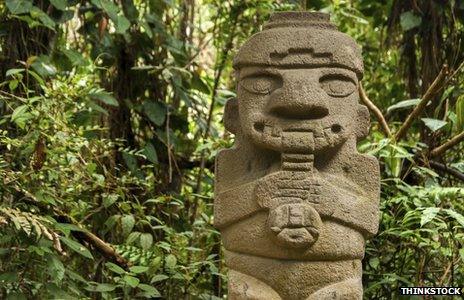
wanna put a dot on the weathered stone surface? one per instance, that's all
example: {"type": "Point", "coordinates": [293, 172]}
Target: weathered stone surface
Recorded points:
{"type": "Point", "coordinates": [294, 200]}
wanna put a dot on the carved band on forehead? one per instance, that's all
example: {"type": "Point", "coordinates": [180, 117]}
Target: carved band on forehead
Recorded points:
{"type": "Point", "coordinates": [300, 42]}
{"type": "Point", "coordinates": [281, 70]}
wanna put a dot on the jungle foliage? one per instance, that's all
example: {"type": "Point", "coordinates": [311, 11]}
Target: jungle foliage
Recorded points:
{"type": "Point", "coordinates": [111, 115]}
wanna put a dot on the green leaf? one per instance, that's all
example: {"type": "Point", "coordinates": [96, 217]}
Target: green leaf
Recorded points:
{"type": "Point", "coordinates": [101, 287]}
{"type": "Point", "coordinates": [149, 290]}
{"type": "Point", "coordinates": [98, 108]}
{"type": "Point", "coordinates": [434, 124]}
{"type": "Point", "coordinates": [74, 276]}
{"type": "Point", "coordinates": [77, 247]}
{"type": "Point", "coordinates": [428, 214]}
{"type": "Point", "coordinates": [9, 277]}
{"type": "Point", "coordinates": [108, 6]}
{"type": "Point", "coordinates": [403, 104]}
{"type": "Point", "coordinates": [131, 281]}
{"type": "Point", "coordinates": [408, 20]}
{"type": "Point", "coordinates": [55, 268]}
{"type": "Point", "coordinates": [150, 152]}
{"type": "Point", "coordinates": [121, 23]}
{"type": "Point", "coordinates": [146, 241]}
{"type": "Point", "coordinates": [199, 84]}
{"type": "Point", "coordinates": [127, 223]}
{"type": "Point", "coordinates": [138, 269]}
{"type": "Point", "coordinates": [108, 200]}
{"type": "Point", "coordinates": [21, 115]}
{"type": "Point", "coordinates": [170, 261]}
{"type": "Point", "coordinates": [37, 13]}
{"type": "Point", "coordinates": [16, 296]}
{"type": "Point", "coordinates": [133, 236]}
{"type": "Point", "coordinates": [19, 6]}
{"type": "Point", "coordinates": [43, 66]}
{"type": "Point", "coordinates": [158, 277]}
{"type": "Point", "coordinates": [19, 111]}
{"type": "Point", "coordinates": [374, 262]}
{"type": "Point", "coordinates": [155, 111]}
{"type": "Point", "coordinates": [131, 161]}
{"type": "Point", "coordinates": [74, 57]}
{"type": "Point", "coordinates": [60, 4]}
{"type": "Point", "coordinates": [455, 215]}
{"type": "Point", "coordinates": [105, 98]}
{"type": "Point", "coordinates": [13, 72]}
{"type": "Point", "coordinates": [36, 77]}
{"type": "Point", "coordinates": [115, 268]}
{"type": "Point", "coordinates": [13, 84]}
{"type": "Point", "coordinates": [130, 10]}
{"type": "Point", "coordinates": [67, 228]}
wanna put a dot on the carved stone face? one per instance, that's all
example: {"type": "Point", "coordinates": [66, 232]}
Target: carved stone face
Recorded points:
{"type": "Point", "coordinates": [297, 85]}
{"type": "Point", "coordinates": [297, 110]}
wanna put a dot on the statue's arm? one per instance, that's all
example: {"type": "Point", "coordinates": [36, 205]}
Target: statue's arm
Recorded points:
{"type": "Point", "coordinates": [234, 204]}
{"type": "Point", "coordinates": [355, 198]}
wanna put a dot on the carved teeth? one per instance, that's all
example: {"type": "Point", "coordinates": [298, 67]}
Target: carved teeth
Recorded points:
{"type": "Point", "coordinates": [276, 131]}
{"type": "Point", "coordinates": [267, 130]}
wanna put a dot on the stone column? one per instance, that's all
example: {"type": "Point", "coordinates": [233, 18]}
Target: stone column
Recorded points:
{"type": "Point", "coordinates": [294, 200]}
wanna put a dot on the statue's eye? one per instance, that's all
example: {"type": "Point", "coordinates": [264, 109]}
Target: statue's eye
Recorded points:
{"type": "Point", "coordinates": [261, 84]}
{"type": "Point", "coordinates": [337, 85]}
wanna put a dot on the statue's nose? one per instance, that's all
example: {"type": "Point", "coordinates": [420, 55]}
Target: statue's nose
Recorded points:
{"type": "Point", "coordinates": [298, 101]}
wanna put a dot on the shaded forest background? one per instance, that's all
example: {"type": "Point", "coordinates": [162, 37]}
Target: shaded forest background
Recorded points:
{"type": "Point", "coordinates": [111, 116]}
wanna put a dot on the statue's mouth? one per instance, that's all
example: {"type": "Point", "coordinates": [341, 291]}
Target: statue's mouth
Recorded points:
{"type": "Point", "coordinates": [300, 136]}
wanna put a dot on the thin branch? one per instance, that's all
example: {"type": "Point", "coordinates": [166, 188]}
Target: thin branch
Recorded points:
{"type": "Point", "coordinates": [104, 248]}
{"type": "Point", "coordinates": [437, 84]}
{"type": "Point", "coordinates": [375, 110]}
{"type": "Point", "coordinates": [447, 145]}
{"type": "Point", "coordinates": [446, 169]}
{"type": "Point", "coordinates": [101, 246]}
{"type": "Point", "coordinates": [461, 65]}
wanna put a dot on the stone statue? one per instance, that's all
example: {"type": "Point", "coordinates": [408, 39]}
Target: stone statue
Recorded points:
{"type": "Point", "coordinates": [294, 200]}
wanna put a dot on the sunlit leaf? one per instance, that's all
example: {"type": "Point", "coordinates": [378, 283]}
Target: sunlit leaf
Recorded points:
{"type": "Point", "coordinates": [403, 104]}
{"type": "Point", "coordinates": [158, 277]}
{"type": "Point", "coordinates": [101, 287]}
{"type": "Point", "coordinates": [77, 247]}
{"type": "Point", "coordinates": [127, 223]}
{"type": "Point", "coordinates": [409, 20]}
{"type": "Point", "coordinates": [434, 124]}
{"type": "Point", "coordinates": [149, 291]}
{"type": "Point", "coordinates": [138, 269]}
{"type": "Point", "coordinates": [115, 268]}
{"type": "Point", "coordinates": [11, 72]}
{"type": "Point", "coordinates": [37, 13]}
{"type": "Point", "coordinates": [428, 215]}
{"type": "Point", "coordinates": [105, 98]}
{"type": "Point", "coordinates": [171, 261]}
{"type": "Point", "coordinates": [19, 6]}
{"type": "Point", "coordinates": [60, 4]}
{"type": "Point", "coordinates": [131, 281]}
{"type": "Point", "coordinates": [146, 241]}
{"type": "Point", "coordinates": [455, 215]}
{"type": "Point", "coordinates": [121, 23]}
